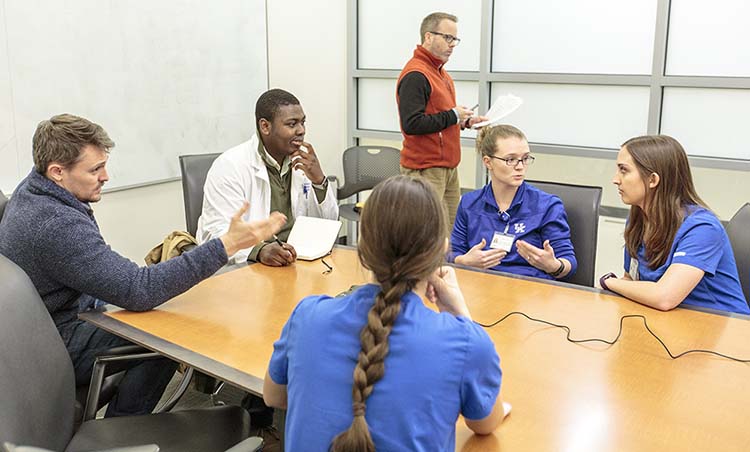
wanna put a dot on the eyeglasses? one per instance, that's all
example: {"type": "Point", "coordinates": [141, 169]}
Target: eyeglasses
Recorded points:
{"type": "Point", "coordinates": [450, 39]}
{"type": "Point", "coordinates": [526, 160]}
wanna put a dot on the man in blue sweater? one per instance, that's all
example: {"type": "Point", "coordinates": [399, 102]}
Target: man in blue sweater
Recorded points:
{"type": "Point", "coordinates": [49, 230]}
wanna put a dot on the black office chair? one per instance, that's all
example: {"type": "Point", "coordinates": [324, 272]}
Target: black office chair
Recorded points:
{"type": "Point", "coordinates": [582, 207]}
{"type": "Point", "coordinates": [738, 231]}
{"type": "Point", "coordinates": [3, 202]}
{"type": "Point", "coordinates": [38, 386]}
{"type": "Point", "coordinates": [364, 168]}
{"type": "Point", "coordinates": [194, 169]}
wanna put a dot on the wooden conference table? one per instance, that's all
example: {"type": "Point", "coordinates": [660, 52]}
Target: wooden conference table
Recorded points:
{"type": "Point", "coordinates": [627, 397]}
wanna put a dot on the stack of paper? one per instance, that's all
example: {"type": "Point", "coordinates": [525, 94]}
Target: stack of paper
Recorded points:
{"type": "Point", "coordinates": [502, 107]}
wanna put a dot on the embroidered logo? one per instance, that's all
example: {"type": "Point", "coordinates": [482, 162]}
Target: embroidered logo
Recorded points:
{"type": "Point", "coordinates": [520, 228]}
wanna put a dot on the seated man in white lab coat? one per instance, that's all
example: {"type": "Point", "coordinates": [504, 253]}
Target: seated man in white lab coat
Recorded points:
{"type": "Point", "coordinates": [276, 170]}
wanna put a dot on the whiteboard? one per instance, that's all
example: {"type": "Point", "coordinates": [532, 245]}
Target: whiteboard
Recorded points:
{"type": "Point", "coordinates": [719, 49]}
{"type": "Point", "coordinates": [388, 32]}
{"type": "Point", "coordinates": [601, 116]}
{"type": "Point", "coordinates": [164, 78]}
{"type": "Point", "coordinates": [708, 122]}
{"type": "Point", "coordinates": [574, 36]}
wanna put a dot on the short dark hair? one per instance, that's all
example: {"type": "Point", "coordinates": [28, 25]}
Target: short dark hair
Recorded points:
{"type": "Point", "coordinates": [269, 102]}
{"type": "Point", "coordinates": [432, 21]}
{"type": "Point", "coordinates": [61, 139]}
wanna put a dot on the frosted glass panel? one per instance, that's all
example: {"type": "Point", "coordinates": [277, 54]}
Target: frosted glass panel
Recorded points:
{"type": "Point", "coordinates": [573, 36]}
{"type": "Point", "coordinates": [708, 122]}
{"type": "Point", "coordinates": [377, 108]}
{"type": "Point", "coordinates": [709, 38]}
{"type": "Point", "coordinates": [581, 115]}
{"type": "Point", "coordinates": [389, 32]}
{"type": "Point", "coordinates": [377, 103]}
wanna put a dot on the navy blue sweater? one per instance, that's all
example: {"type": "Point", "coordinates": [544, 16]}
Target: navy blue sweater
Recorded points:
{"type": "Point", "coordinates": [54, 238]}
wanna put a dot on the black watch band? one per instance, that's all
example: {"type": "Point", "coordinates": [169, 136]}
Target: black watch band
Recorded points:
{"type": "Point", "coordinates": [559, 270]}
{"type": "Point", "coordinates": [603, 280]}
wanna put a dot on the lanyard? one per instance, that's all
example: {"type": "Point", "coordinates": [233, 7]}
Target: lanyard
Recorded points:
{"type": "Point", "coordinates": [506, 218]}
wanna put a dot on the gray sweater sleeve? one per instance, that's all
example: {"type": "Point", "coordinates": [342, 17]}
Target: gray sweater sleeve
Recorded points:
{"type": "Point", "coordinates": [73, 251]}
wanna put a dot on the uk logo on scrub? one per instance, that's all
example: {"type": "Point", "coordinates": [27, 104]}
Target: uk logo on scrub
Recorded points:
{"type": "Point", "coordinates": [519, 228]}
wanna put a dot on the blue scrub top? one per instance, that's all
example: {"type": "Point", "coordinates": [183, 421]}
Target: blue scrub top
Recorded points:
{"type": "Point", "coordinates": [701, 242]}
{"type": "Point", "coordinates": [533, 216]}
{"type": "Point", "coordinates": [438, 366]}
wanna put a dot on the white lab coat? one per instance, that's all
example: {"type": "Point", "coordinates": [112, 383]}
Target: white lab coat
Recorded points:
{"type": "Point", "coordinates": [239, 174]}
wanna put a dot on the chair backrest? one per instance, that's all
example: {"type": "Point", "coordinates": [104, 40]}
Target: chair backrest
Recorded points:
{"type": "Point", "coordinates": [366, 166]}
{"type": "Point", "coordinates": [194, 169]}
{"type": "Point", "coordinates": [36, 374]}
{"type": "Point", "coordinates": [738, 231]}
{"type": "Point", "coordinates": [582, 207]}
{"type": "Point", "coordinates": [3, 202]}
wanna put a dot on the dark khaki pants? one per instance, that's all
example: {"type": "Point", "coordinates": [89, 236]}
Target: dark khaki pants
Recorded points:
{"type": "Point", "coordinates": [445, 181]}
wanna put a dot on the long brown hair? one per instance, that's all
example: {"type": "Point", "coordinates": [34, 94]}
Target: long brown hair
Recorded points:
{"type": "Point", "coordinates": [665, 204]}
{"type": "Point", "coordinates": [402, 242]}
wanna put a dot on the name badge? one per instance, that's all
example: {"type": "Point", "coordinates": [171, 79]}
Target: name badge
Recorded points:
{"type": "Point", "coordinates": [634, 273]}
{"type": "Point", "coordinates": [503, 241]}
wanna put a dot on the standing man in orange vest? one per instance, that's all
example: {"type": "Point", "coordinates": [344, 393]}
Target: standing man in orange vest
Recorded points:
{"type": "Point", "coordinates": [431, 122]}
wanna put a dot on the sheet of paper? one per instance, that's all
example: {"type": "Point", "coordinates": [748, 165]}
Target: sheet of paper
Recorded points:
{"type": "Point", "coordinates": [313, 237]}
{"type": "Point", "coordinates": [502, 107]}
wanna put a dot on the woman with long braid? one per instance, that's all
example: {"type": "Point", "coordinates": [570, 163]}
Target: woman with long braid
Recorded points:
{"type": "Point", "coordinates": [376, 369]}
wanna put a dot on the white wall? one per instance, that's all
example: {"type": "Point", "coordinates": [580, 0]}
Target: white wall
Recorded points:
{"type": "Point", "coordinates": [307, 56]}
{"type": "Point", "coordinates": [134, 221]}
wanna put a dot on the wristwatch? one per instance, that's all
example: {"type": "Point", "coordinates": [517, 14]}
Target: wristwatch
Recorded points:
{"type": "Point", "coordinates": [603, 279]}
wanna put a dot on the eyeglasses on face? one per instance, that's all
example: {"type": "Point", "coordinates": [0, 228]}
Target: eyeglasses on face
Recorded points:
{"type": "Point", "coordinates": [450, 39]}
{"type": "Point", "coordinates": [526, 160]}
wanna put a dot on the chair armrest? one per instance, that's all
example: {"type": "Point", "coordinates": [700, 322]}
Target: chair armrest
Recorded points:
{"type": "Point", "coordinates": [98, 373]}
{"type": "Point", "coordinates": [338, 185]}
{"type": "Point", "coordinates": [252, 444]}
{"type": "Point", "coordinates": [8, 447]}
{"type": "Point", "coordinates": [178, 392]}
{"type": "Point", "coordinates": [146, 448]}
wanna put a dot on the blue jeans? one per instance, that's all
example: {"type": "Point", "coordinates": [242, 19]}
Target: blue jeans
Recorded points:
{"type": "Point", "coordinates": [143, 383]}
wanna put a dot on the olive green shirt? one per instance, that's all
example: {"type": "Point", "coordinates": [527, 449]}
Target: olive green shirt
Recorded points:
{"type": "Point", "coordinates": [280, 179]}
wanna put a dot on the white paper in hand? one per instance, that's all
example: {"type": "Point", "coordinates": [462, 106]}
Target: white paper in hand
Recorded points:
{"type": "Point", "coordinates": [503, 106]}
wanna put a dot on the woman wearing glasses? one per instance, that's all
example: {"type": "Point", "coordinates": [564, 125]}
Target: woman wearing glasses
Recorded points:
{"type": "Point", "coordinates": [676, 250]}
{"type": "Point", "coordinates": [375, 369]}
{"type": "Point", "coordinates": [510, 225]}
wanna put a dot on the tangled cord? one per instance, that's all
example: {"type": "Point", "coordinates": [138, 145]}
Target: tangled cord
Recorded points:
{"type": "Point", "coordinates": [619, 333]}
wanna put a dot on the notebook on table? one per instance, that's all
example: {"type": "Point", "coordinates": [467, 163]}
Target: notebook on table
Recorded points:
{"type": "Point", "coordinates": [313, 237]}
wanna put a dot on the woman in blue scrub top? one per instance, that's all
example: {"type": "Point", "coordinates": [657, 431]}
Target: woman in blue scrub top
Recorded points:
{"type": "Point", "coordinates": [375, 368]}
{"type": "Point", "coordinates": [509, 225]}
{"type": "Point", "coordinates": [676, 250]}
